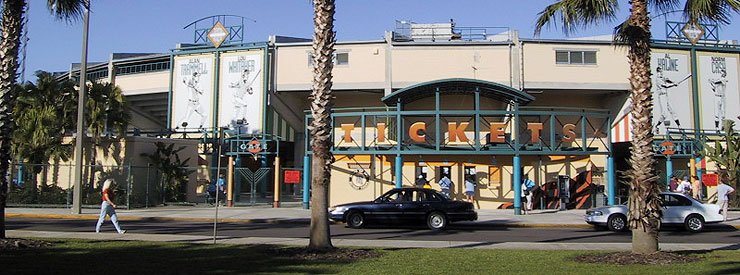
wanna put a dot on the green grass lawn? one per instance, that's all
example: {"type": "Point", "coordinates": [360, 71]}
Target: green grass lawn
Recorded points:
{"type": "Point", "coordinates": [134, 257]}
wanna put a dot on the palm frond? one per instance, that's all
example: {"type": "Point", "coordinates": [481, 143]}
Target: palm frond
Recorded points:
{"type": "Point", "coordinates": [575, 14]}
{"type": "Point", "coordinates": [67, 10]}
{"type": "Point", "coordinates": [715, 11]}
{"type": "Point", "coordinates": [662, 6]}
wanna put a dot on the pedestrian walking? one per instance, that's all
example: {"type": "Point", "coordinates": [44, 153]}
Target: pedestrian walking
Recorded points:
{"type": "Point", "coordinates": [723, 198]}
{"type": "Point", "coordinates": [446, 184]}
{"type": "Point", "coordinates": [696, 189]}
{"type": "Point", "coordinates": [470, 189]}
{"type": "Point", "coordinates": [108, 208]}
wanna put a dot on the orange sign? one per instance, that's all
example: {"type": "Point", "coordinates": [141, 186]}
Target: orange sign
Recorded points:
{"type": "Point", "coordinates": [292, 176]}
{"type": "Point", "coordinates": [254, 146]}
{"type": "Point", "coordinates": [668, 148]}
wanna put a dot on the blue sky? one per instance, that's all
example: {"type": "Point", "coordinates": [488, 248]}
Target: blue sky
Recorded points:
{"type": "Point", "coordinates": [157, 25]}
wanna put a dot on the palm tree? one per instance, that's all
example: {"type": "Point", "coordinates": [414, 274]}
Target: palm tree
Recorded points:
{"type": "Point", "coordinates": [320, 128]}
{"type": "Point", "coordinates": [644, 205]}
{"type": "Point", "coordinates": [10, 27]}
{"type": "Point", "coordinates": [43, 113]}
{"type": "Point", "coordinates": [106, 113]}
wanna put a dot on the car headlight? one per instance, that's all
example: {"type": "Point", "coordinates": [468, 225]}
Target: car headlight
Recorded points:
{"type": "Point", "coordinates": [594, 213]}
{"type": "Point", "coordinates": [338, 209]}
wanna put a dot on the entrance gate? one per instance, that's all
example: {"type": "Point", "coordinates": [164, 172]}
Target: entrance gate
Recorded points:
{"type": "Point", "coordinates": [248, 181]}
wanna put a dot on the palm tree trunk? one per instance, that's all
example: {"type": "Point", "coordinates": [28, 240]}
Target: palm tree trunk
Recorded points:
{"type": "Point", "coordinates": [11, 25]}
{"type": "Point", "coordinates": [644, 208]}
{"type": "Point", "coordinates": [320, 128]}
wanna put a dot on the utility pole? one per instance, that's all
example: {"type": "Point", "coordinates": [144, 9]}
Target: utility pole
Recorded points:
{"type": "Point", "coordinates": [77, 190]}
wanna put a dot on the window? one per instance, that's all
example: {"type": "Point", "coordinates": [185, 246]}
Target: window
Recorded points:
{"type": "Point", "coordinates": [339, 58]}
{"type": "Point", "coordinates": [575, 57]}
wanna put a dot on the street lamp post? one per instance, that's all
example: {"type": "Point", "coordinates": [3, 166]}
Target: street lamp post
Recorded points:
{"type": "Point", "coordinates": [77, 189]}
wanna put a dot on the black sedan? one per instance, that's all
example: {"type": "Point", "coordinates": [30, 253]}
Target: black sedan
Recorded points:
{"type": "Point", "coordinates": [407, 205]}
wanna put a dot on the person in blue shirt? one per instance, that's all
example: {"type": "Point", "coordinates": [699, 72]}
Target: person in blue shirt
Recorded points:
{"type": "Point", "coordinates": [446, 184]}
{"type": "Point", "coordinates": [528, 190]}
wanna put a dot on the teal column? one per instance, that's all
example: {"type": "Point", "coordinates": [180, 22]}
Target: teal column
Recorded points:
{"type": "Point", "coordinates": [611, 180]}
{"type": "Point", "coordinates": [237, 178]}
{"type": "Point", "coordinates": [668, 171]}
{"type": "Point", "coordinates": [699, 171]}
{"type": "Point", "coordinates": [399, 171]}
{"type": "Point", "coordinates": [306, 180]}
{"type": "Point", "coordinates": [263, 181]}
{"type": "Point", "coordinates": [517, 185]}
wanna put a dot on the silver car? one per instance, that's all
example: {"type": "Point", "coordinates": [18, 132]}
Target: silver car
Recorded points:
{"type": "Point", "coordinates": [678, 209]}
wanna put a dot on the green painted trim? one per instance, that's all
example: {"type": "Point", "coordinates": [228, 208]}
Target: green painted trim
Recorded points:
{"type": "Point", "coordinates": [488, 88]}
{"type": "Point", "coordinates": [268, 129]}
{"type": "Point", "coordinates": [169, 91]}
{"type": "Point", "coordinates": [211, 49]}
{"type": "Point", "coordinates": [655, 45]}
{"type": "Point", "coordinates": [264, 86]}
{"type": "Point", "coordinates": [279, 124]}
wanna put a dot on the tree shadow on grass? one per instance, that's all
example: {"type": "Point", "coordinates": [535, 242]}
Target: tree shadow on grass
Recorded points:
{"type": "Point", "coordinates": [126, 257]}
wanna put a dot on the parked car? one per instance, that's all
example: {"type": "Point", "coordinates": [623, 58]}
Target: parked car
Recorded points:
{"type": "Point", "coordinates": [679, 209]}
{"type": "Point", "coordinates": [405, 205]}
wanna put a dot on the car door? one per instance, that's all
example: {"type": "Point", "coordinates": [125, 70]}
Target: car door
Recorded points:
{"type": "Point", "coordinates": [414, 209]}
{"type": "Point", "coordinates": [676, 208]}
{"type": "Point", "coordinates": [388, 207]}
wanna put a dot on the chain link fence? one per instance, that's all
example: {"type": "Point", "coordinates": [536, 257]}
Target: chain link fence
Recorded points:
{"type": "Point", "coordinates": [48, 185]}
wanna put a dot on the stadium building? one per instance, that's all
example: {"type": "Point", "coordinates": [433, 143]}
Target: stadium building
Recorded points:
{"type": "Point", "coordinates": [433, 100]}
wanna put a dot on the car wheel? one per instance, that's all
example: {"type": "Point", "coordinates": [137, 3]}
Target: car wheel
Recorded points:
{"type": "Point", "coordinates": [617, 222]}
{"type": "Point", "coordinates": [437, 221]}
{"type": "Point", "coordinates": [694, 223]}
{"type": "Point", "coordinates": [355, 220]}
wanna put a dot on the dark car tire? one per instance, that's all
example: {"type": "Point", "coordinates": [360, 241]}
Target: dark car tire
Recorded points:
{"type": "Point", "coordinates": [355, 220]}
{"type": "Point", "coordinates": [617, 222]}
{"type": "Point", "coordinates": [436, 221]}
{"type": "Point", "coordinates": [694, 223]}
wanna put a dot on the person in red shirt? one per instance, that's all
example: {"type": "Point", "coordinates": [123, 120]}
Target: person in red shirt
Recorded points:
{"type": "Point", "coordinates": [108, 208]}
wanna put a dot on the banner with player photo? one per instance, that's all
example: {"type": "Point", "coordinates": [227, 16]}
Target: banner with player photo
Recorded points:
{"type": "Point", "coordinates": [718, 89]}
{"type": "Point", "coordinates": [192, 92]}
{"type": "Point", "coordinates": [241, 92]}
{"type": "Point", "coordinates": [672, 109]}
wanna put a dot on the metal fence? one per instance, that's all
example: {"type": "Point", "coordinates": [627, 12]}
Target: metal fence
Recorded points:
{"type": "Point", "coordinates": [48, 185]}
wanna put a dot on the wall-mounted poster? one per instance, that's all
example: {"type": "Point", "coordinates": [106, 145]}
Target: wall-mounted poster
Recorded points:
{"type": "Point", "coordinates": [241, 90]}
{"type": "Point", "coordinates": [671, 91]}
{"type": "Point", "coordinates": [718, 90]}
{"type": "Point", "coordinates": [192, 92]}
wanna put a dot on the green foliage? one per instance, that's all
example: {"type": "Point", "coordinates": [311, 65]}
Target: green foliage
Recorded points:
{"type": "Point", "coordinates": [174, 177]}
{"type": "Point", "coordinates": [727, 156]}
{"type": "Point", "coordinates": [44, 194]}
{"type": "Point", "coordinates": [106, 111]}
{"type": "Point", "coordinates": [43, 112]}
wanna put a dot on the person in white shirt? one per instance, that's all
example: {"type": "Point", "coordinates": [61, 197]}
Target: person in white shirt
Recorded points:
{"type": "Point", "coordinates": [723, 199]}
{"type": "Point", "coordinates": [684, 187]}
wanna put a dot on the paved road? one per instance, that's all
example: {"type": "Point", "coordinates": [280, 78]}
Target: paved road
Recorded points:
{"type": "Point", "coordinates": [457, 232]}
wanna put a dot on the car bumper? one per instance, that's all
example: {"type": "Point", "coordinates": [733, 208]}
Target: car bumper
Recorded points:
{"type": "Point", "coordinates": [337, 216]}
{"type": "Point", "coordinates": [595, 220]}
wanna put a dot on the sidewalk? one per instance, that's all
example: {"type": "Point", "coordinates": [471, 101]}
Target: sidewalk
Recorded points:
{"type": "Point", "coordinates": [266, 214]}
